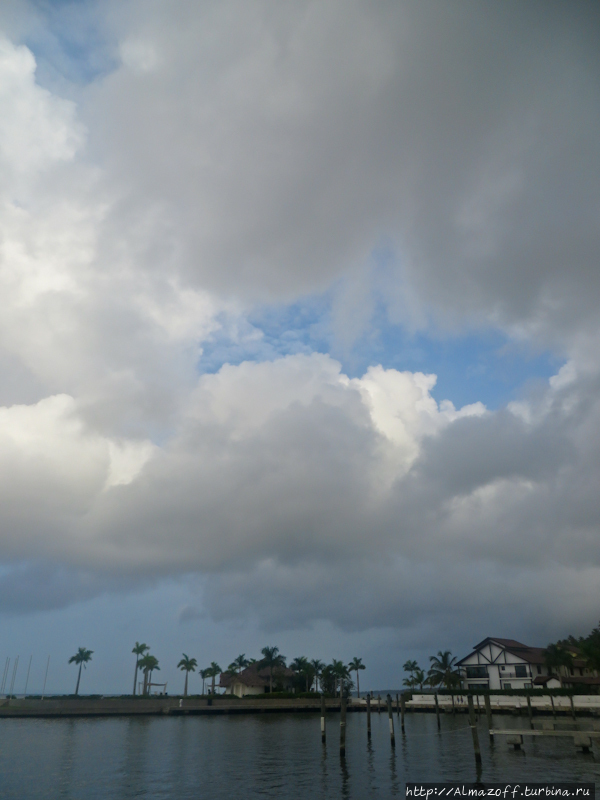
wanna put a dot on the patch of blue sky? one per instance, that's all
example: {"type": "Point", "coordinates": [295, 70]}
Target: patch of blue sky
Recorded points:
{"type": "Point", "coordinates": [71, 44]}
{"type": "Point", "coordinates": [483, 365]}
{"type": "Point", "coordinates": [270, 332]}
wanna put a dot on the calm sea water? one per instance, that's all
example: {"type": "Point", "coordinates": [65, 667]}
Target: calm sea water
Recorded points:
{"type": "Point", "coordinates": [260, 756]}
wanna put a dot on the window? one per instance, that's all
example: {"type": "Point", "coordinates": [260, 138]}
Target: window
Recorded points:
{"type": "Point", "coordinates": [507, 686]}
{"type": "Point", "coordinates": [502, 668]}
{"type": "Point", "coordinates": [520, 671]}
{"type": "Point", "coordinates": [539, 669]}
{"type": "Point", "coordinates": [477, 672]}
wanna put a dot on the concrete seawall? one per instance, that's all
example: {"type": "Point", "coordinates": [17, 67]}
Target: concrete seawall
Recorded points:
{"type": "Point", "coordinates": [115, 706]}
{"type": "Point", "coordinates": [587, 705]}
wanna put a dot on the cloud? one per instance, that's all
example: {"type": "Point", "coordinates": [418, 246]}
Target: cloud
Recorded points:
{"type": "Point", "coordinates": [237, 155]}
{"type": "Point", "coordinates": [282, 149]}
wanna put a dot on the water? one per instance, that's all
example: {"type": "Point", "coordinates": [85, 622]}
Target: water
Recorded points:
{"type": "Point", "coordinates": [261, 756]}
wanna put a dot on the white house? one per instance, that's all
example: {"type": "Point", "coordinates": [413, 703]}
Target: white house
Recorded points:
{"type": "Point", "coordinates": [508, 664]}
{"type": "Point", "coordinates": [504, 664]}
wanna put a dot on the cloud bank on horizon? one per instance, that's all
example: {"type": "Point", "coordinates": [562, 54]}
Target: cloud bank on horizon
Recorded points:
{"type": "Point", "coordinates": [222, 156]}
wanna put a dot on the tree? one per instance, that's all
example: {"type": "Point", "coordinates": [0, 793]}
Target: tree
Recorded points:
{"type": "Point", "coordinates": [317, 669]}
{"type": "Point", "coordinates": [354, 666]}
{"type": "Point", "coordinates": [81, 657]}
{"type": "Point", "coordinates": [410, 666]}
{"type": "Point", "coordinates": [215, 670]}
{"type": "Point", "coordinates": [204, 674]}
{"type": "Point", "coordinates": [240, 662]}
{"type": "Point", "coordinates": [341, 675]}
{"type": "Point", "coordinates": [138, 650]}
{"type": "Point", "coordinates": [442, 670]}
{"type": "Point", "coordinates": [148, 664]}
{"type": "Point", "coordinates": [189, 665]}
{"type": "Point", "coordinates": [272, 658]}
{"type": "Point", "coordinates": [556, 656]}
{"type": "Point", "coordinates": [420, 678]}
{"type": "Point", "coordinates": [304, 669]}
{"type": "Point", "coordinates": [589, 648]}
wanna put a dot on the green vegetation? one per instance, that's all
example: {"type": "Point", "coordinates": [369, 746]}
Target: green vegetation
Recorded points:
{"type": "Point", "coordinates": [138, 650]}
{"type": "Point", "coordinates": [188, 665]}
{"type": "Point", "coordinates": [563, 652]}
{"type": "Point", "coordinates": [81, 657]}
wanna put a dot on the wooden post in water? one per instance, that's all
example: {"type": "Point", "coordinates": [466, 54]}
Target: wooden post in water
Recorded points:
{"type": "Point", "coordinates": [488, 716]}
{"type": "Point", "coordinates": [323, 709]}
{"type": "Point", "coordinates": [572, 708]}
{"type": "Point", "coordinates": [369, 717]}
{"type": "Point", "coordinates": [473, 725]}
{"type": "Point", "coordinates": [391, 720]}
{"type": "Point", "coordinates": [379, 704]}
{"type": "Point", "coordinates": [343, 726]}
{"type": "Point", "coordinates": [530, 711]}
{"type": "Point", "coordinates": [397, 705]}
{"type": "Point", "coordinates": [553, 709]}
{"type": "Point", "coordinates": [437, 710]}
{"type": "Point", "coordinates": [453, 708]}
{"type": "Point", "coordinates": [402, 710]}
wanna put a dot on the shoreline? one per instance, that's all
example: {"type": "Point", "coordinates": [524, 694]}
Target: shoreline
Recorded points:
{"type": "Point", "coordinates": [179, 706]}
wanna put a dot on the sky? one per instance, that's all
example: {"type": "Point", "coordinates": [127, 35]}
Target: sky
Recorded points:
{"type": "Point", "coordinates": [299, 331]}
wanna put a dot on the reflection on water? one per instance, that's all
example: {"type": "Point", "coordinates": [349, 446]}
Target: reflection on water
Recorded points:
{"type": "Point", "coordinates": [266, 756]}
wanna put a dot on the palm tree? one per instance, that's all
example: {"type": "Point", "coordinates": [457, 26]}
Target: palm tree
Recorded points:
{"type": "Point", "coordinates": [303, 667]}
{"type": "Point", "coordinates": [354, 666]}
{"type": "Point", "coordinates": [318, 669]}
{"type": "Point", "coordinates": [148, 664]}
{"type": "Point", "coordinates": [442, 669]}
{"type": "Point", "coordinates": [138, 650]}
{"type": "Point", "coordinates": [410, 666]}
{"type": "Point", "coordinates": [272, 658]}
{"type": "Point", "coordinates": [555, 655]}
{"type": "Point", "coordinates": [81, 657]}
{"type": "Point", "coordinates": [419, 678]}
{"type": "Point", "coordinates": [215, 670]}
{"type": "Point", "coordinates": [189, 665]}
{"type": "Point", "coordinates": [410, 682]}
{"type": "Point", "coordinates": [204, 674]}
{"type": "Point", "coordinates": [240, 663]}
{"type": "Point", "coordinates": [341, 673]}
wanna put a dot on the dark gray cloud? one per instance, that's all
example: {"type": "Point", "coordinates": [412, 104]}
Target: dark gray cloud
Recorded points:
{"type": "Point", "coordinates": [239, 152]}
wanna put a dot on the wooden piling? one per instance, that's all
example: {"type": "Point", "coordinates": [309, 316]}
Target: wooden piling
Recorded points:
{"type": "Point", "coordinates": [379, 704]}
{"type": "Point", "coordinates": [323, 710]}
{"type": "Point", "coordinates": [343, 726]}
{"type": "Point", "coordinates": [369, 717]}
{"type": "Point", "coordinates": [402, 710]}
{"type": "Point", "coordinates": [473, 725]}
{"type": "Point", "coordinates": [453, 708]}
{"type": "Point", "coordinates": [553, 709]}
{"type": "Point", "coordinates": [391, 720]}
{"type": "Point", "coordinates": [488, 715]}
{"type": "Point", "coordinates": [572, 708]}
{"type": "Point", "coordinates": [397, 705]}
{"type": "Point", "coordinates": [437, 710]}
{"type": "Point", "coordinates": [530, 711]}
